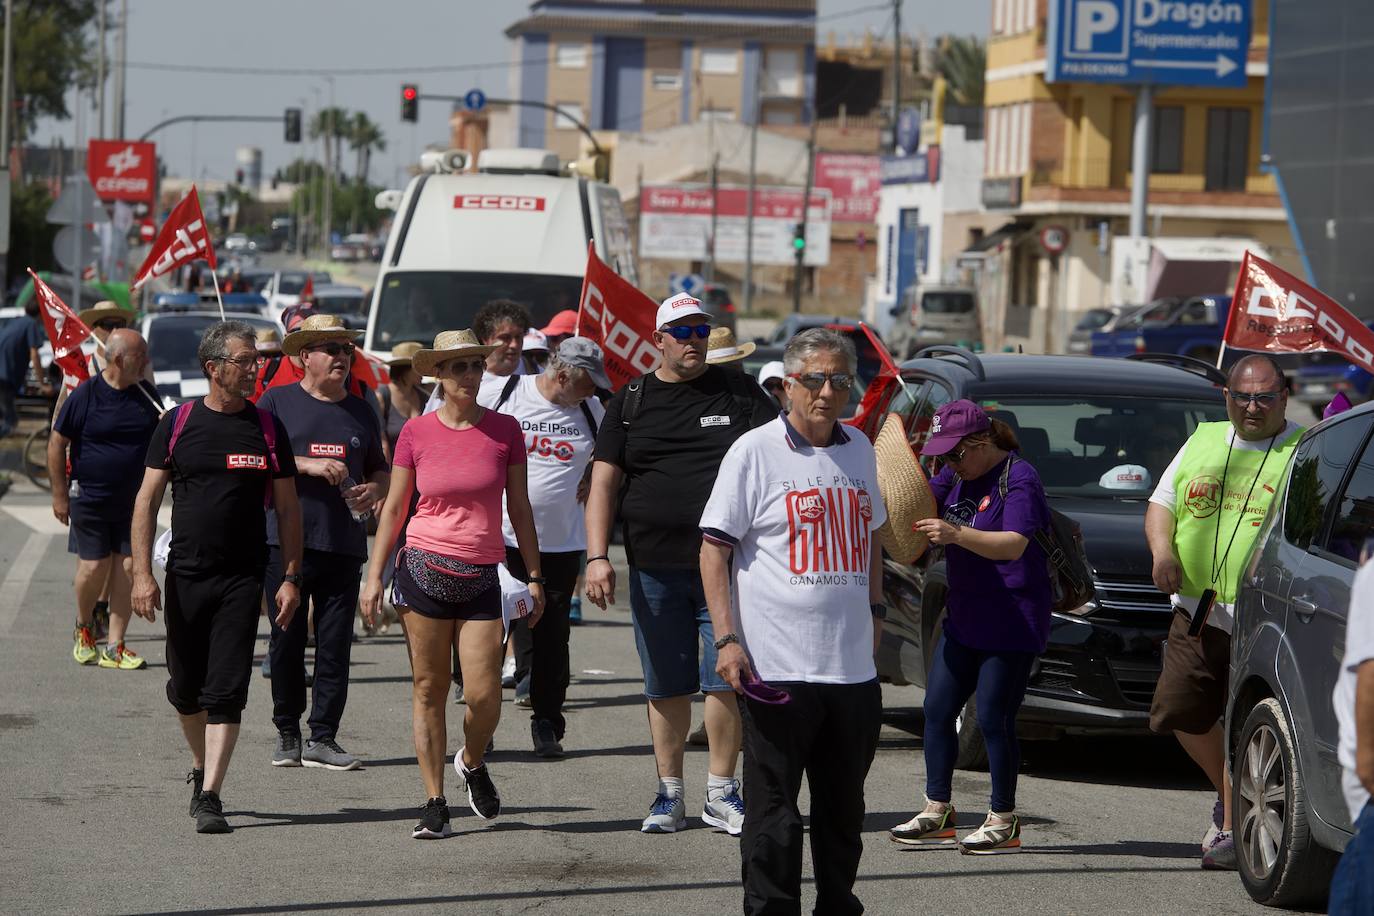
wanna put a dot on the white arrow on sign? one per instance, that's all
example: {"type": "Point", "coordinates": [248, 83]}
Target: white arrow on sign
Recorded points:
{"type": "Point", "coordinates": [1223, 64]}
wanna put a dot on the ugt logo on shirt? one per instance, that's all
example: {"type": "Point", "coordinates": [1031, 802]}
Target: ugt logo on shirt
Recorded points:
{"type": "Point", "coordinates": [246, 462]}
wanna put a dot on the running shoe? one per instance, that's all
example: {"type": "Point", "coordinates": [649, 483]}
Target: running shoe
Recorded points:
{"type": "Point", "coordinates": [522, 693]}
{"type": "Point", "coordinates": [508, 672]}
{"type": "Point", "coordinates": [328, 755]}
{"type": "Point", "coordinates": [1221, 855]}
{"type": "Point", "coordinates": [209, 814]}
{"type": "Point", "coordinates": [545, 738]}
{"type": "Point", "coordinates": [84, 650]}
{"type": "Point", "coordinates": [483, 798]}
{"type": "Point", "coordinates": [575, 612]}
{"type": "Point", "coordinates": [929, 828]}
{"type": "Point", "coordinates": [1218, 813]}
{"type": "Point", "coordinates": [993, 838]}
{"type": "Point", "coordinates": [288, 752]}
{"type": "Point", "coordinates": [666, 815]}
{"type": "Point", "coordinates": [121, 657]}
{"type": "Point", "coordinates": [434, 822]}
{"type": "Point", "coordinates": [195, 779]}
{"type": "Point", "coordinates": [100, 620]}
{"type": "Point", "coordinates": [458, 693]}
{"type": "Point", "coordinates": [725, 812]}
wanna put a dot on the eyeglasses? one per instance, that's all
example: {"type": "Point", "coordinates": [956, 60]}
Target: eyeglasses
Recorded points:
{"type": "Point", "coordinates": [111, 324]}
{"type": "Point", "coordinates": [246, 361]}
{"type": "Point", "coordinates": [462, 366]}
{"type": "Point", "coordinates": [1262, 399]}
{"type": "Point", "coordinates": [333, 348]}
{"type": "Point", "coordinates": [684, 334]}
{"type": "Point", "coordinates": [815, 381]}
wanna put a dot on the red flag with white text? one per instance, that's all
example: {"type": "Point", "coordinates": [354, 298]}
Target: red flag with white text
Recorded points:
{"type": "Point", "coordinates": [1274, 311]}
{"type": "Point", "coordinates": [65, 330]}
{"type": "Point", "coordinates": [184, 238]}
{"type": "Point", "coordinates": [620, 319]}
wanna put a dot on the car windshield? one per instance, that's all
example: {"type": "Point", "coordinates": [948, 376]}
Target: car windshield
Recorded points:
{"type": "Point", "coordinates": [173, 339]}
{"type": "Point", "coordinates": [1094, 446]}
{"type": "Point", "coordinates": [1093, 320]}
{"type": "Point", "coordinates": [416, 305]}
{"type": "Point", "coordinates": [341, 305]}
{"type": "Point", "coordinates": [292, 282]}
{"type": "Point", "coordinates": [947, 303]}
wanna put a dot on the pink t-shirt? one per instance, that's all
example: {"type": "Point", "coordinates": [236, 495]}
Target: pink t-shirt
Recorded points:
{"type": "Point", "coordinates": [460, 476]}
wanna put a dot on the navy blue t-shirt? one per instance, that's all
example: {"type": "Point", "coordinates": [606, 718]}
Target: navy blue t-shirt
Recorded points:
{"type": "Point", "coordinates": [17, 337]}
{"type": "Point", "coordinates": [346, 431]}
{"type": "Point", "coordinates": [110, 430]}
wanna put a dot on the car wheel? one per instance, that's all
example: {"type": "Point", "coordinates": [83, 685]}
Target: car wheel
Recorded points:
{"type": "Point", "coordinates": [973, 749]}
{"type": "Point", "coordinates": [1280, 864]}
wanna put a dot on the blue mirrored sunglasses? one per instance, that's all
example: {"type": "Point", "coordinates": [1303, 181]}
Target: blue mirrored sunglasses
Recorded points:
{"type": "Point", "coordinates": [702, 331]}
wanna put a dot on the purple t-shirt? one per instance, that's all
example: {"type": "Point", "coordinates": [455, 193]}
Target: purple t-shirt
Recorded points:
{"type": "Point", "coordinates": [997, 606]}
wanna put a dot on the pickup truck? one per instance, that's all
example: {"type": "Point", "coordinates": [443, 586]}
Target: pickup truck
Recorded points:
{"type": "Point", "coordinates": [1183, 327]}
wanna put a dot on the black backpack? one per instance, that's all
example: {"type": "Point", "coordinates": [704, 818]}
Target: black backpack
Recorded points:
{"type": "Point", "coordinates": [1071, 578]}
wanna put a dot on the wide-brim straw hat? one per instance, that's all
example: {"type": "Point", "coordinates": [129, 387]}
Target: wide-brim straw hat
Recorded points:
{"type": "Point", "coordinates": [317, 329]}
{"type": "Point", "coordinates": [449, 345]}
{"type": "Point", "coordinates": [103, 309]}
{"type": "Point", "coordinates": [403, 353]}
{"type": "Point", "coordinates": [721, 347]}
{"type": "Point", "coordinates": [906, 493]}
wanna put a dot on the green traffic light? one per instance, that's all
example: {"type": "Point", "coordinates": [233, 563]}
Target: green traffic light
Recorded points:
{"type": "Point", "coordinates": [799, 243]}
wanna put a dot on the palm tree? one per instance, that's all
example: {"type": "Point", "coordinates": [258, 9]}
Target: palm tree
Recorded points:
{"type": "Point", "coordinates": [332, 126]}
{"type": "Point", "coordinates": [364, 137]}
{"type": "Point", "coordinates": [962, 62]}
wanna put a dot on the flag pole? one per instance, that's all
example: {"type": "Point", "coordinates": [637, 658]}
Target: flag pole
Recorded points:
{"type": "Point", "coordinates": [218, 298]}
{"type": "Point", "coordinates": [582, 297]}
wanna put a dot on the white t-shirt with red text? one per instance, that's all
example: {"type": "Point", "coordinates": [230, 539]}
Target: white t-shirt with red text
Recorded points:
{"type": "Point", "coordinates": [801, 522]}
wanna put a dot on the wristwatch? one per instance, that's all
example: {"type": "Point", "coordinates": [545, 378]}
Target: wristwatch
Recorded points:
{"type": "Point", "coordinates": [535, 580]}
{"type": "Point", "coordinates": [293, 578]}
{"type": "Point", "coordinates": [878, 610]}
{"type": "Point", "coordinates": [725, 641]}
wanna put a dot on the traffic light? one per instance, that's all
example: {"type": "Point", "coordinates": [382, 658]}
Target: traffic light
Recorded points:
{"type": "Point", "coordinates": [799, 240]}
{"type": "Point", "coordinates": [238, 176]}
{"type": "Point", "coordinates": [293, 125]}
{"type": "Point", "coordinates": [410, 102]}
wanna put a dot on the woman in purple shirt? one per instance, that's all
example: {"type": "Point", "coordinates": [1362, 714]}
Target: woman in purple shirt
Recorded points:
{"type": "Point", "coordinates": [997, 617]}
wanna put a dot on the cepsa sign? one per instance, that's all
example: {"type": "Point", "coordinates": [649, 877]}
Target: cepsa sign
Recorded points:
{"type": "Point", "coordinates": [510, 202]}
{"type": "Point", "coordinates": [122, 169]}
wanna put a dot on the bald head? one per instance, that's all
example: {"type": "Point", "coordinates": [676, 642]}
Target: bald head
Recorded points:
{"type": "Point", "coordinates": [126, 353]}
{"type": "Point", "coordinates": [1257, 397]}
{"type": "Point", "coordinates": [1258, 366]}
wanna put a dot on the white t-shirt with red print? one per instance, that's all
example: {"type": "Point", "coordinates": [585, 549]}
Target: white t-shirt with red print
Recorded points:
{"type": "Point", "coordinates": [801, 522]}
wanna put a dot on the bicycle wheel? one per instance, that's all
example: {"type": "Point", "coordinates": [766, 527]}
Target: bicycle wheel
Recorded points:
{"type": "Point", "coordinates": [36, 457]}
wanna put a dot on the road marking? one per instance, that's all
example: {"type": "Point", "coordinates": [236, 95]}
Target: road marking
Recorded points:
{"type": "Point", "coordinates": [38, 518]}
{"type": "Point", "coordinates": [15, 587]}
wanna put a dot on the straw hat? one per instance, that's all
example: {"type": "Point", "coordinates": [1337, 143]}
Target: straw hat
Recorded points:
{"type": "Point", "coordinates": [317, 329]}
{"type": "Point", "coordinates": [269, 341]}
{"type": "Point", "coordinates": [722, 348]}
{"type": "Point", "coordinates": [906, 492]}
{"type": "Point", "coordinates": [403, 352]}
{"type": "Point", "coordinates": [103, 309]}
{"type": "Point", "coordinates": [448, 345]}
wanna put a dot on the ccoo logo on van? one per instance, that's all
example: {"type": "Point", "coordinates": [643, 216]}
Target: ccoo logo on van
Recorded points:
{"type": "Point", "coordinates": [509, 202]}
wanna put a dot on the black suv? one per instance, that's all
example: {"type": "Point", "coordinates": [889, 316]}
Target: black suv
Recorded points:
{"type": "Point", "coordinates": [1087, 425]}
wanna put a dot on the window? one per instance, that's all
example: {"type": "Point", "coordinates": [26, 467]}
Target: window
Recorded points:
{"type": "Point", "coordinates": [1228, 148]}
{"type": "Point", "coordinates": [933, 398]}
{"type": "Point", "coordinates": [1198, 312]}
{"type": "Point", "coordinates": [667, 81]}
{"type": "Point", "coordinates": [783, 116]}
{"type": "Point", "coordinates": [1354, 524]}
{"type": "Point", "coordinates": [782, 72]}
{"type": "Point", "coordinates": [720, 60]}
{"type": "Point", "coordinates": [1168, 141]}
{"type": "Point", "coordinates": [716, 114]}
{"type": "Point", "coordinates": [567, 122]}
{"type": "Point", "coordinates": [571, 56]}
{"type": "Point", "coordinates": [1318, 469]}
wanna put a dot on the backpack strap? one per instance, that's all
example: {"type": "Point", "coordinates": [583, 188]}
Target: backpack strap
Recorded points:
{"type": "Point", "coordinates": [739, 384]}
{"type": "Point", "coordinates": [634, 397]}
{"type": "Point", "coordinates": [181, 413]}
{"type": "Point", "coordinates": [591, 420]}
{"type": "Point", "coordinates": [270, 370]}
{"type": "Point", "coordinates": [506, 391]}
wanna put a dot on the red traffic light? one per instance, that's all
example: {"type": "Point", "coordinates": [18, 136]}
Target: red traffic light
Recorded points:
{"type": "Point", "coordinates": [409, 93]}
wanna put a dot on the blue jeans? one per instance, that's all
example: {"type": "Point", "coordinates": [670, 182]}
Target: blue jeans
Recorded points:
{"type": "Point", "coordinates": [1352, 888]}
{"type": "Point", "coordinates": [999, 680]}
{"type": "Point", "coordinates": [668, 608]}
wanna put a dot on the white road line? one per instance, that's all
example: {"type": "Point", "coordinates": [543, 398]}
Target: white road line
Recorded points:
{"type": "Point", "coordinates": [15, 587]}
{"type": "Point", "coordinates": [37, 518]}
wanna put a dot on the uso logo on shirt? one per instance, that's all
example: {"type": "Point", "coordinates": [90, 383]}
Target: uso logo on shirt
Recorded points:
{"type": "Point", "coordinates": [246, 462]}
{"type": "Point", "coordinates": [326, 450]}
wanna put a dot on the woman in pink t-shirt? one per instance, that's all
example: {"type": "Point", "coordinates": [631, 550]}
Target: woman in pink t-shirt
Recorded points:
{"type": "Point", "coordinates": [460, 459]}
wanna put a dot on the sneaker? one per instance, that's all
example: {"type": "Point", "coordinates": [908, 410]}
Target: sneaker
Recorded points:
{"type": "Point", "coordinates": [209, 814]}
{"type": "Point", "coordinates": [522, 693]}
{"type": "Point", "coordinates": [575, 612]}
{"type": "Point", "coordinates": [288, 752]}
{"type": "Point", "coordinates": [434, 823]}
{"type": "Point", "coordinates": [932, 827]}
{"type": "Point", "coordinates": [100, 620]}
{"type": "Point", "coordinates": [1218, 813]}
{"type": "Point", "coordinates": [483, 798]}
{"type": "Point", "coordinates": [117, 656]}
{"type": "Point", "coordinates": [545, 738]}
{"type": "Point", "coordinates": [328, 755]}
{"type": "Point", "coordinates": [458, 693]}
{"type": "Point", "coordinates": [666, 815]}
{"type": "Point", "coordinates": [84, 650]}
{"type": "Point", "coordinates": [993, 838]}
{"type": "Point", "coordinates": [267, 666]}
{"type": "Point", "coordinates": [726, 812]}
{"type": "Point", "coordinates": [508, 672]}
{"type": "Point", "coordinates": [698, 738]}
{"type": "Point", "coordinates": [195, 779]}
{"type": "Point", "coordinates": [1221, 855]}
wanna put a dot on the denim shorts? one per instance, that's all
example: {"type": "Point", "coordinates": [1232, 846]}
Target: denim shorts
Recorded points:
{"type": "Point", "coordinates": [668, 608]}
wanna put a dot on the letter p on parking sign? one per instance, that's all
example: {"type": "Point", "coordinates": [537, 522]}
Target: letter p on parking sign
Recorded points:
{"type": "Point", "coordinates": [1098, 29]}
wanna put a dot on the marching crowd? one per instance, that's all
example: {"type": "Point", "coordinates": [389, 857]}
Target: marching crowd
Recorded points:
{"type": "Point", "coordinates": [754, 527]}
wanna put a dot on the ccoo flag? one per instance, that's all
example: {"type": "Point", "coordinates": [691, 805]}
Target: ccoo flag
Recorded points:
{"type": "Point", "coordinates": [618, 317]}
{"type": "Point", "coordinates": [65, 330]}
{"type": "Point", "coordinates": [184, 237]}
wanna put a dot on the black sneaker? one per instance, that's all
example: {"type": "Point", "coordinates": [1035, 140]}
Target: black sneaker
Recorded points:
{"type": "Point", "coordinates": [195, 779]}
{"type": "Point", "coordinates": [545, 739]}
{"type": "Point", "coordinates": [434, 823]}
{"type": "Point", "coordinates": [100, 620]}
{"type": "Point", "coordinates": [209, 812]}
{"type": "Point", "coordinates": [483, 798]}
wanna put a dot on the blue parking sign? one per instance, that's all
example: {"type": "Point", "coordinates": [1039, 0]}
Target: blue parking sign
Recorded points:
{"type": "Point", "coordinates": [1159, 42]}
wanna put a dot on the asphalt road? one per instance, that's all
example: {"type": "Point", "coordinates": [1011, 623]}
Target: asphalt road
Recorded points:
{"type": "Point", "coordinates": [95, 804]}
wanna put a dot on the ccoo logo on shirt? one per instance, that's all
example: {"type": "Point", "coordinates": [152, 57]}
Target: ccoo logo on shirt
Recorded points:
{"type": "Point", "coordinates": [246, 462]}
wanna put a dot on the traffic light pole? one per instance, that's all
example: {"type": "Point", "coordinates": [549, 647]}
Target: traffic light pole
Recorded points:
{"type": "Point", "coordinates": [180, 119]}
{"type": "Point", "coordinates": [799, 270]}
{"type": "Point", "coordinates": [586, 131]}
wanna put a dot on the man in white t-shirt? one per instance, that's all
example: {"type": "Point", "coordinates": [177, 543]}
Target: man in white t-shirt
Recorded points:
{"type": "Point", "coordinates": [501, 323]}
{"type": "Point", "coordinates": [560, 418]}
{"type": "Point", "coordinates": [796, 503]}
{"type": "Point", "coordinates": [1352, 888]}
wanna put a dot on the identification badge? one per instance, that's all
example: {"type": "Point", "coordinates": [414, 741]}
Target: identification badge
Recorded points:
{"type": "Point", "coordinates": [987, 501]}
{"type": "Point", "coordinates": [717, 420]}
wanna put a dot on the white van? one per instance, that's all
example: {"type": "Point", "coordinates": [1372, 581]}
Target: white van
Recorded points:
{"type": "Point", "coordinates": [934, 314]}
{"type": "Point", "coordinates": [516, 229]}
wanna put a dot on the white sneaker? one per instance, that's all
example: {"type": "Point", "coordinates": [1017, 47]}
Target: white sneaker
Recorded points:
{"type": "Point", "coordinates": [508, 672]}
{"type": "Point", "coordinates": [1211, 835]}
{"type": "Point", "coordinates": [666, 815]}
{"type": "Point", "coordinates": [726, 812]}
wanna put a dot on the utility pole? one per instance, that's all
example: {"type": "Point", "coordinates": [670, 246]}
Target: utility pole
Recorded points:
{"type": "Point", "coordinates": [100, 67]}
{"type": "Point", "coordinates": [711, 242]}
{"type": "Point", "coordinates": [896, 68]}
{"type": "Point", "coordinates": [1140, 159]}
{"type": "Point", "coordinates": [121, 57]}
{"type": "Point", "coordinates": [330, 166]}
{"type": "Point", "coordinates": [799, 268]}
{"type": "Point", "coordinates": [8, 89]}
{"type": "Point", "coordinates": [749, 199]}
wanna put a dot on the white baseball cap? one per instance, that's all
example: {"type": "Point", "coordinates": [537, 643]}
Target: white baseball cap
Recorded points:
{"type": "Point", "coordinates": [535, 340]}
{"type": "Point", "coordinates": [1126, 477]}
{"type": "Point", "coordinates": [679, 306]}
{"type": "Point", "coordinates": [770, 371]}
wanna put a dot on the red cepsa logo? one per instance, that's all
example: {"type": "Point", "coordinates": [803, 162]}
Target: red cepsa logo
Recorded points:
{"type": "Point", "coordinates": [509, 202]}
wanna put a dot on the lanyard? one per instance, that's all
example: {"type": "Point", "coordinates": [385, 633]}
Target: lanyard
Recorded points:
{"type": "Point", "coordinates": [1216, 536]}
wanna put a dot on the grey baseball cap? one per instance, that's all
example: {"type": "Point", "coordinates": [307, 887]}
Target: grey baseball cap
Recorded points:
{"type": "Point", "coordinates": [583, 353]}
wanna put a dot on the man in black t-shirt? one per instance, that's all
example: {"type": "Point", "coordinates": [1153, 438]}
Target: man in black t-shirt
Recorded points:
{"type": "Point", "coordinates": [338, 443]}
{"type": "Point", "coordinates": [663, 438]}
{"type": "Point", "coordinates": [223, 464]}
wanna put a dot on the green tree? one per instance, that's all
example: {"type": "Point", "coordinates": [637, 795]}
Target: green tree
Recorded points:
{"type": "Point", "coordinates": [332, 126]}
{"type": "Point", "coordinates": [962, 62]}
{"type": "Point", "coordinates": [364, 137]}
{"type": "Point", "coordinates": [52, 51]}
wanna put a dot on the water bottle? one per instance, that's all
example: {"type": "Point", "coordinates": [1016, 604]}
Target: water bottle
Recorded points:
{"type": "Point", "coordinates": [344, 487]}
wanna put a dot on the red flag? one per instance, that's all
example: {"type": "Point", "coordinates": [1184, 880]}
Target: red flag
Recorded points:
{"type": "Point", "coordinates": [1273, 310]}
{"type": "Point", "coordinates": [184, 237]}
{"type": "Point", "coordinates": [65, 330]}
{"type": "Point", "coordinates": [874, 404]}
{"type": "Point", "coordinates": [308, 290]}
{"type": "Point", "coordinates": [620, 318]}
{"type": "Point", "coordinates": [369, 369]}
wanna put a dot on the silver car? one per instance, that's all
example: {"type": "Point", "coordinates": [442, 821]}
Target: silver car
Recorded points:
{"type": "Point", "coordinates": [1287, 809]}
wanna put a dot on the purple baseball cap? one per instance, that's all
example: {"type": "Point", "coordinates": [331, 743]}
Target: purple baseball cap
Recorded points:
{"type": "Point", "coordinates": [953, 422]}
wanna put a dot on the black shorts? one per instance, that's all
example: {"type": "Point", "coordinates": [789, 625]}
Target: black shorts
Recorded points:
{"type": "Point", "coordinates": [212, 630]}
{"type": "Point", "coordinates": [99, 527]}
{"type": "Point", "coordinates": [485, 605]}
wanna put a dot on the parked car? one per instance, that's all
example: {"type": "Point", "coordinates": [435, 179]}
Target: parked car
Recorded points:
{"type": "Point", "coordinates": [715, 299]}
{"type": "Point", "coordinates": [284, 289]}
{"type": "Point", "coordinates": [791, 324]}
{"type": "Point", "coordinates": [173, 338]}
{"type": "Point", "coordinates": [1081, 338]}
{"type": "Point", "coordinates": [237, 241]}
{"type": "Point", "coordinates": [1079, 420]}
{"type": "Point", "coordinates": [348, 302]}
{"type": "Point", "coordinates": [931, 314]}
{"type": "Point", "coordinates": [1187, 327]}
{"type": "Point", "coordinates": [1287, 806]}
{"type": "Point", "coordinates": [1322, 376]}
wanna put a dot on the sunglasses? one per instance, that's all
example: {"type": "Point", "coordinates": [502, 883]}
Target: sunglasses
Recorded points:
{"type": "Point", "coordinates": [815, 381]}
{"type": "Point", "coordinates": [463, 366]}
{"type": "Point", "coordinates": [111, 324]}
{"type": "Point", "coordinates": [756, 689]}
{"type": "Point", "coordinates": [702, 331]}
{"type": "Point", "coordinates": [1264, 399]}
{"type": "Point", "coordinates": [953, 457]}
{"type": "Point", "coordinates": [333, 348]}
